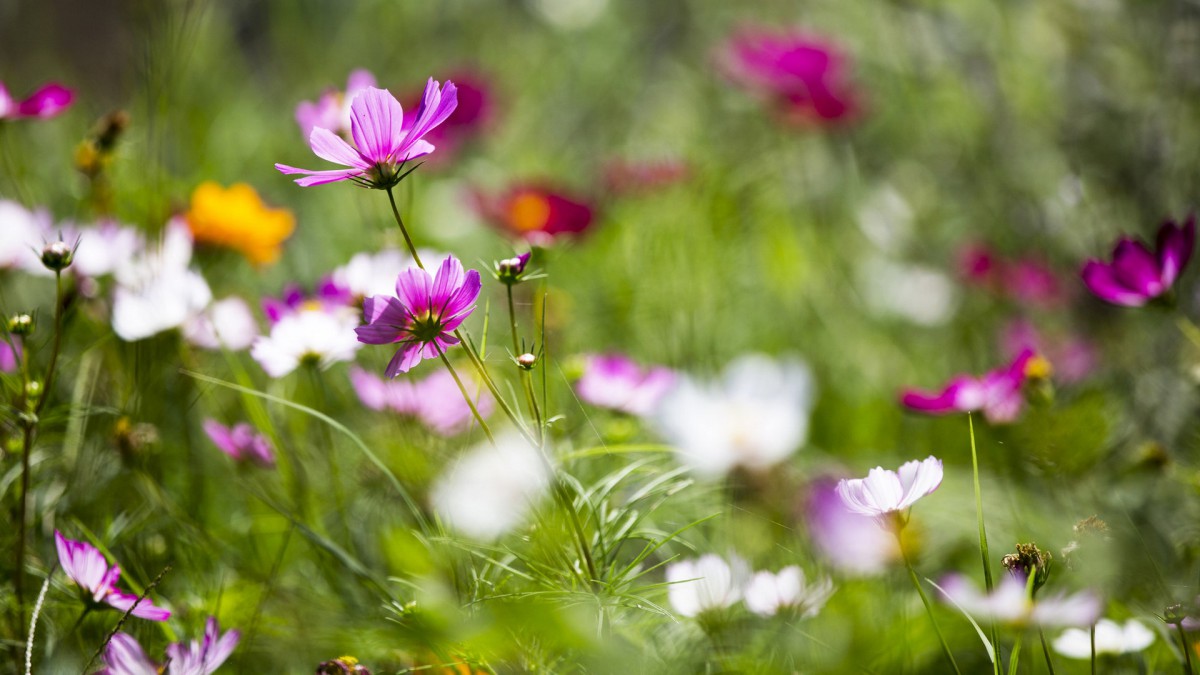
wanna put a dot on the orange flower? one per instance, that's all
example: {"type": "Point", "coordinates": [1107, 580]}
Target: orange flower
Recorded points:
{"type": "Point", "coordinates": [237, 218]}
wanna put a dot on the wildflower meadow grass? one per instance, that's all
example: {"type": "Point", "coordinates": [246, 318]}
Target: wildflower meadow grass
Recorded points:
{"type": "Point", "coordinates": [574, 336]}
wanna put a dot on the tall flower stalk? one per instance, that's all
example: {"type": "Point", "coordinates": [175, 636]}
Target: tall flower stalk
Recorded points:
{"type": "Point", "coordinates": [983, 545]}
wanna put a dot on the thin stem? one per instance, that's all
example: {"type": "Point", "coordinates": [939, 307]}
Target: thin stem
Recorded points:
{"type": "Point", "coordinates": [404, 230]}
{"type": "Point", "coordinates": [526, 380]}
{"type": "Point", "coordinates": [1046, 651]}
{"type": "Point", "coordinates": [512, 320]}
{"type": "Point", "coordinates": [37, 609]}
{"type": "Point", "coordinates": [491, 385]}
{"type": "Point", "coordinates": [983, 545]}
{"type": "Point", "coordinates": [58, 315]}
{"type": "Point", "coordinates": [465, 394]}
{"type": "Point", "coordinates": [928, 607]}
{"type": "Point", "coordinates": [1187, 649]}
{"type": "Point", "coordinates": [1092, 642]}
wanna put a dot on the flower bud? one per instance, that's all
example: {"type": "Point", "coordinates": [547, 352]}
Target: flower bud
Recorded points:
{"type": "Point", "coordinates": [1174, 614]}
{"type": "Point", "coordinates": [509, 270]}
{"type": "Point", "coordinates": [342, 665]}
{"type": "Point", "coordinates": [527, 361]}
{"type": "Point", "coordinates": [33, 390]}
{"type": "Point", "coordinates": [1029, 560]}
{"type": "Point", "coordinates": [57, 256]}
{"type": "Point", "coordinates": [20, 324]}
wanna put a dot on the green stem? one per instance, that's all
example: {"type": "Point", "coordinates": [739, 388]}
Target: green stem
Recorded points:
{"type": "Point", "coordinates": [512, 320]}
{"type": "Point", "coordinates": [404, 230]}
{"type": "Point", "coordinates": [1187, 649]}
{"type": "Point", "coordinates": [928, 607]}
{"type": "Point", "coordinates": [983, 545]}
{"type": "Point", "coordinates": [465, 394]}
{"type": "Point", "coordinates": [481, 368]}
{"type": "Point", "coordinates": [1092, 642]}
{"type": "Point", "coordinates": [1046, 651]}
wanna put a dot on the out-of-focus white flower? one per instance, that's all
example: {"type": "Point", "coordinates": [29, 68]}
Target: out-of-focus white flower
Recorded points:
{"type": "Point", "coordinates": [157, 291]}
{"type": "Point", "coordinates": [1010, 603]}
{"type": "Point", "coordinates": [768, 593]}
{"type": "Point", "coordinates": [321, 335]}
{"type": "Point", "coordinates": [227, 324]}
{"type": "Point", "coordinates": [755, 417]}
{"type": "Point", "coordinates": [491, 488]}
{"type": "Point", "coordinates": [369, 274]}
{"type": "Point", "coordinates": [917, 294]}
{"type": "Point", "coordinates": [706, 583]}
{"type": "Point", "coordinates": [1111, 638]}
{"type": "Point", "coordinates": [104, 248]}
{"type": "Point", "coordinates": [22, 235]}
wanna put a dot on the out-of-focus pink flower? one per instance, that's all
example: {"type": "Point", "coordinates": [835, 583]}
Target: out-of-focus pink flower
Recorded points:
{"type": "Point", "coordinates": [1010, 603]}
{"type": "Point", "coordinates": [435, 401]}
{"type": "Point", "coordinates": [997, 394]}
{"type": "Point", "coordinates": [48, 101]}
{"type": "Point", "coordinates": [535, 213]}
{"type": "Point", "coordinates": [471, 116]}
{"type": "Point", "coordinates": [88, 568]}
{"type": "Point", "coordinates": [1025, 281]}
{"type": "Point", "coordinates": [852, 542]}
{"type": "Point", "coordinates": [423, 314]}
{"type": "Point", "coordinates": [382, 144]}
{"type": "Point", "coordinates": [124, 656]}
{"type": "Point", "coordinates": [332, 110]}
{"type": "Point", "coordinates": [616, 382]}
{"type": "Point", "coordinates": [631, 177]}
{"type": "Point", "coordinates": [10, 354]}
{"type": "Point", "coordinates": [1073, 358]}
{"type": "Point", "coordinates": [22, 234]}
{"type": "Point", "coordinates": [379, 394]}
{"type": "Point", "coordinates": [1136, 276]}
{"type": "Point", "coordinates": [977, 263]}
{"type": "Point", "coordinates": [241, 442]}
{"type": "Point", "coordinates": [884, 491]}
{"type": "Point", "coordinates": [804, 76]}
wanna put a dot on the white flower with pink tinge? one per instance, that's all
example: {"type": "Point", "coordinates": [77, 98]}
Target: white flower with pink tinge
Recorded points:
{"type": "Point", "coordinates": [768, 594]}
{"type": "Point", "coordinates": [1010, 603]}
{"type": "Point", "coordinates": [884, 491]}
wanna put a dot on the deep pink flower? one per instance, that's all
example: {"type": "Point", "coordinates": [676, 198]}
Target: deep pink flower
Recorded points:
{"type": "Point", "coordinates": [1025, 281]}
{"type": "Point", "coordinates": [471, 116]}
{"type": "Point", "coordinates": [422, 315]}
{"type": "Point", "coordinates": [805, 76]}
{"type": "Point", "coordinates": [44, 103]}
{"type": "Point", "coordinates": [1072, 357]}
{"type": "Point", "coordinates": [332, 110]}
{"type": "Point", "coordinates": [997, 394]}
{"type": "Point", "coordinates": [1136, 276]}
{"type": "Point", "coordinates": [241, 442]}
{"type": "Point", "coordinates": [536, 213]}
{"type": "Point", "coordinates": [884, 491]}
{"type": "Point", "coordinates": [88, 568]}
{"type": "Point", "coordinates": [616, 382]}
{"type": "Point", "coordinates": [382, 143]}
{"type": "Point", "coordinates": [328, 295]}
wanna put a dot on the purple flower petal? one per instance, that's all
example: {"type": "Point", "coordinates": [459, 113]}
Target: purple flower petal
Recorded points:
{"type": "Point", "coordinates": [48, 101]}
{"type": "Point", "coordinates": [144, 609]}
{"type": "Point", "coordinates": [1103, 283]}
{"type": "Point", "coordinates": [376, 124]}
{"type": "Point", "coordinates": [1175, 246]}
{"type": "Point", "coordinates": [1136, 268]}
{"type": "Point", "coordinates": [329, 146]}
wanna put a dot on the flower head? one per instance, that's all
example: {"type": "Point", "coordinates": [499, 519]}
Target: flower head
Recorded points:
{"type": "Point", "coordinates": [318, 335]}
{"type": "Point", "coordinates": [535, 213]}
{"type": "Point", "coordinates": [158, 290]}
{"type": "Point", "coordinates": [472, 114]}
{"type": "Point", "coordinates": [1111, 638]}
{"type": "Point", "coordinates": [88, 568]}
{"type": "Point", "coordinates": [707, 583]}
{"type": "Point", "coordinates": [997, 394]}
{"type": "Point", "coordinates": [1136, 276]}
{"type": "Point", "coordinates": [511, 271]}
{"type": "Point", "coordinates": [804, 76]}
{"type": "Point", "coordinates": [767, 594]}
{"type": "Point", "coordinates": [124, 656]}
{"type": "Point", "coordinates": [884, 491]}
{"type": "Point", "coordinates": [241, 442]}
{"type": "Point", "coordinates": [48, 101]}
{"type": "Point", "coordinates": [332, 110]}
{"type": "Point", "coordinates": [755, 417]}
{"type": "Point", "coordinates": [382, 142]}
{"type": "Point", "coordinates": [237, 218]}
{"type": "Point", "coordinates": [852, 542]}
{"type": "Point", "coordinates": [491, 488]}
{"type": "Point", "coordinates": [614, 381]}
{"type": "Point", "coordinates": [422, 315]}
{"type": "Point", "coordinates": [1010, 603]}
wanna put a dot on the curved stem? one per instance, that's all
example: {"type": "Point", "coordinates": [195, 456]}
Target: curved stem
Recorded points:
{"type": "Point", "coordinates": [928, 607]}
{"type": "Point", "coordinates": [1046, 651]}
{"type": "Point", "coordinates": [404, 230]}
{"type": "Point", "coordinates": [983, 545]}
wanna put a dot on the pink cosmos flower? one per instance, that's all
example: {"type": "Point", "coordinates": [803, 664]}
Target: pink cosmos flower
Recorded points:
{"type": "Point", "coordinates": [379, 394]}
{"type": "Point", "coordinates": [382, 143]}
{"type": "Point", "coordinates": [1073, 357]}
{"type": "Point", "coordinates": [435, 401]}
{"type": "Point", "coordinates": [124, 656]}
{"type": "Point", "coordinates": [536, 213]}
{"type": "Point", "coordinates": [1025, 281]}
{"type": "Point", "coordinates": [10, 354]}
{"type": "Point", "coordinates": [1010, 603]}
{"type": "Point", "coordinates": [614, 381]}
{"type": "Point", "coordinates": [423, 314]}
{"type": "Point", "coordinates": [884, 491]}
{"type": "Point", "coordinates": [852, 542]}
{"type": "Point", "coordinates": [332, 110]}
{"type": "Point", "coordinates": [241, 442]}
{"type": "Point", "coordinates": [804, 76]}
{"type": "Point", "coordinates": [1136, 276]}
{"type": "Point", "coordinates": [472, 115]}
{"type": "Point", "coordinates": [44, 103]}
{"type": "Point", "coordinates": [88, 568]}
{"type": "Point", "coordinates": [997, 394]}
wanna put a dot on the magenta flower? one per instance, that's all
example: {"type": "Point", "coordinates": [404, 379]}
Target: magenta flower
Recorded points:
{"type": "Point", "coordinates": [382, 143]}
{"type": "Point", "coordinates": [804, 76]}
{"type": "Point", "coordinates": [472, 114]}
{"type": "Point", "coordinates": [884, 491]}
{"type": "Point", "coordinates": [44, 103]}
{"type": "Point", "coordinates": [332, 110]}
{"type": "Point", "coordinates": [1136, 276]}
{"type": "Point", "coordinates": [10, 354]}
{"type": "Point", "coordinates": [241, 442]}
{"type": "Point", "coordinates": [538, 214]}
{"type": "Point", "coordinates": [124, 656]}
{"type": "Point", "coordinates": [997, 394]}
{"type": "Point", "coordinates": [422, 315]}
{"type": "Point", "coordinates": [1073, 358]}
{"type": "Point", "coordinates": [614, 381]}
{"type": "Point", "coordinates": [88, 568]}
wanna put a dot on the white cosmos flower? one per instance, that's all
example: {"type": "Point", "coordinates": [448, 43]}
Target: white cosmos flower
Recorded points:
{"type": "Point", "coordinates": [1111, 638]}
{"type": "Point", "coordinates": [22, 235]}
{"type": "Point", "coordinates": [157, 291]}
{"type": "Point", "coordinates": [323, 335]}
{"type": "Point", "coordinates": [225, 324]}
{"type": "Point", "coordinates": [754, 417]}
{"type": "Point", "coordinates": [369, 274]}
{"type": "Point", "coordinates": [491, 488]}
{"type": "Point", "coordinates": [884, 491]}
{"type": "Point", "coordinates": [768, 593]}
{"type": "Point", "coordinates": [706, 583]}
{"type": "Point", "coordinates": [104, 248]}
